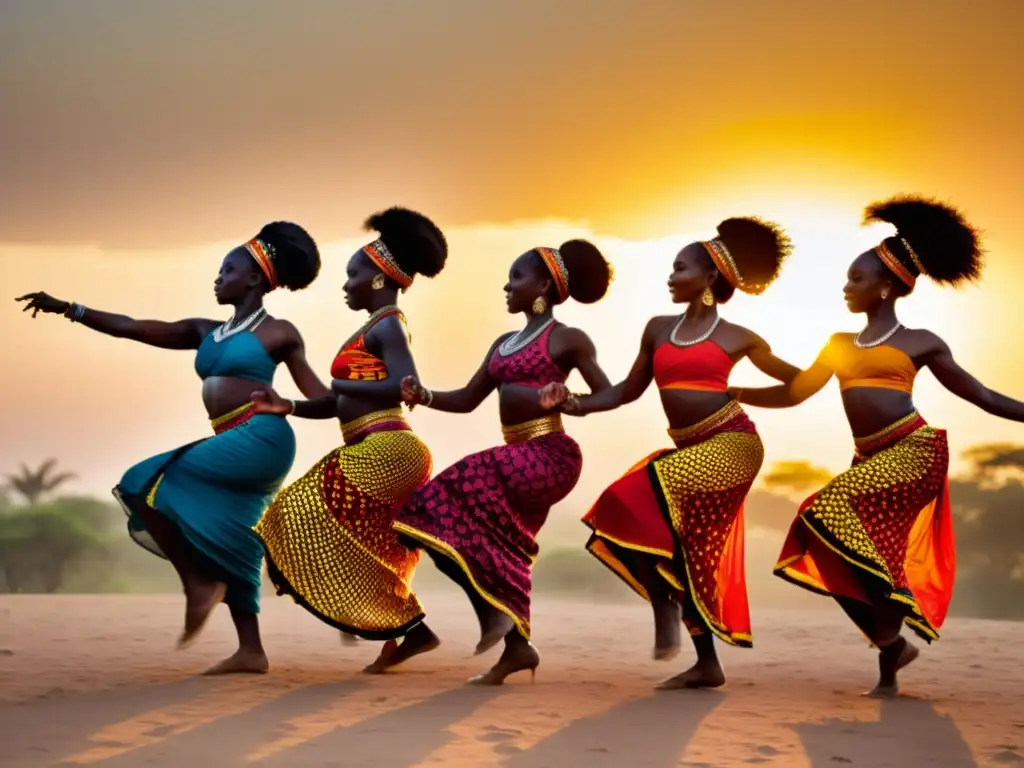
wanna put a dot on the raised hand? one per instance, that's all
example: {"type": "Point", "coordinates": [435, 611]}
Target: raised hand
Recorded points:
{"type": "Point", "coordinates": [553, 395]}
{"type": "Point", "coordinates": [43, 302]}
{"type": "Point", "coordinates": [413, 393]}
{"type": "Point", "coordinates": [268, 401]}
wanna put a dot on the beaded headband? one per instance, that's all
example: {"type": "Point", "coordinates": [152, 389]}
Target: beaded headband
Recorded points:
{"type": "Point", "coordinates": [892, 261]}
{"type": "Point", "coordinates": [381, 256]}
{"type": "Point", "coordinates": [726, 264]}
{"type": "Point", "coordinates": [556, 266]}
{"type": "Point", "coordinates": [263, 254]}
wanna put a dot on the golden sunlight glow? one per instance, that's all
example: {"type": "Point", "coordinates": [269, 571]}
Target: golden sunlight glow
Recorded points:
{"type": "Point", "coordinates": [103, 404]}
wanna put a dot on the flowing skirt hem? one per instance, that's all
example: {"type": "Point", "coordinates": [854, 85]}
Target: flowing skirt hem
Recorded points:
{"type": "Point", "coordinates": [438, 547]}
{"type": "Point", "coordinates": [283, 587]}
{"type": "Point", "coordinates": [784, 569]}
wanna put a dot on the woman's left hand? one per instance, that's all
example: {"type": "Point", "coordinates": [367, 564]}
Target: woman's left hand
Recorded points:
{"type": "Point", "coordinates": [553, 395]}
{"type": "Point", "coordinates": [268, 401]}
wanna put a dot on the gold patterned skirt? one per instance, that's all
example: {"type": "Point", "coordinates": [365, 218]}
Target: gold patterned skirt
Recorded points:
{"type": "Point", "coordinates": [882, 530]}
{"type": "Point", "coordinates": [328, 538]}
{"type": "Point", "coordinates": [682, 511]}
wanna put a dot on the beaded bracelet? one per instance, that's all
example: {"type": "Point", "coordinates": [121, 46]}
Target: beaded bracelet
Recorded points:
{"type": "Point", "coordinates": [74, 312]}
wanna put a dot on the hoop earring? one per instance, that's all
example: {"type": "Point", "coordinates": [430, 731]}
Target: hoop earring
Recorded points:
{"type": "Point", "coordinates": [539, 305]}
{"type": "Point", "coordinates": [885, 294]}
{"type": "Point", "coordinates": [378, 282]}
{"type": "Point", "coordinates": [707, 298]}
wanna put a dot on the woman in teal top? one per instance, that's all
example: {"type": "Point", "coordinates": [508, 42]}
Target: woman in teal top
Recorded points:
{"type": "Point", "coordinates": [196, 505]}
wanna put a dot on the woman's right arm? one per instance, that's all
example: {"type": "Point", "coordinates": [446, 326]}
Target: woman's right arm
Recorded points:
{"type": "Point", "coordinates": [800, 387]}
{"type": "Point", "coordinates": [456, 400]}
{"type": "Point", "coordinates": [180, 334]}
{"type": "Point", "coordinates": [630, 388]}
{"type": "Point", "coordinates": [805, 384]}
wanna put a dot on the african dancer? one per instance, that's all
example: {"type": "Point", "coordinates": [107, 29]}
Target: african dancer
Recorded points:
{"type": "Point", "coordinates": [196, 505]}
{"type": "Point", "coordinates": [328, 536]}
{"type": "Point", "coordinates": [672, 526]}
{"type": "Point", "coordinates": [480, 517]}
{"type": "Point", "coordinates": [878, 538]}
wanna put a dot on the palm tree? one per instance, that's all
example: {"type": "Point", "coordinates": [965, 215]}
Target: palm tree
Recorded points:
{"type": "Point", "coordinates": [33, 485]}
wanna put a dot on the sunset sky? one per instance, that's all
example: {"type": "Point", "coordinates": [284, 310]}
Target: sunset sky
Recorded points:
{"type": "Point", "coordinates": [139, 141]}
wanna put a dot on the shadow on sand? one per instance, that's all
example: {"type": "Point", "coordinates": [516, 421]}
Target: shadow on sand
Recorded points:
{"type": "Point", "coordinates": [651, 732]}
{"type": "Point", "coordinates": [893, 741]}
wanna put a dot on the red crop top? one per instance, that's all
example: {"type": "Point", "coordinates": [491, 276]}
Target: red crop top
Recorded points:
{"type": "Point", "coordinates": [703, 367]}
{"type": "Point", "coordinates": [354, 362]}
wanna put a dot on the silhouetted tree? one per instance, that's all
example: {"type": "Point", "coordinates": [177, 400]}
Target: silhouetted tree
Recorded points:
{"type": "Point", "coordinates": [34, 484]}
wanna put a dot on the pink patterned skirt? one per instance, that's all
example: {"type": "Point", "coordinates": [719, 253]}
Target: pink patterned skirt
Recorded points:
{"type": "Point", "coordinates": [483, 513]}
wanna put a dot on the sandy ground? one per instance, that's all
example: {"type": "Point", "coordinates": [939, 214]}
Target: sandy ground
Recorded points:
{"type": "Point", "coordinates": [92, 681]}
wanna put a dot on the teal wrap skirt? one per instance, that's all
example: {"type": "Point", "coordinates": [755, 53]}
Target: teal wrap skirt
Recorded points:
{"type": "Point", "coordinates": [214, 491]}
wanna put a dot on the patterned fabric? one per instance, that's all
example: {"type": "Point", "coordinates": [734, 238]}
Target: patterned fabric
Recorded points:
{"type": "Point", "coordinates": [530, 366]}
{"type": "Point", "coordinates": [683, 509]}
{"type": "Point", "coordinates": [328, 537]}
{"type": "Point", "coordinates": [882, 527]}
{"type": "Point", "coordinates": [353, 362]}
{"type": "Point", "coordinates": [484, 513]}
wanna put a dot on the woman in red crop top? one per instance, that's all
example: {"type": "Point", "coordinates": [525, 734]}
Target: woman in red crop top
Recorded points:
{"type": "Point", "coordinates": [672, 526]}
{"type": "Point", "coordinates": [878, 538]}
{"type": "Point", "coordinates": [479, 518]}
{"type": "Point", "coordinates": [328, 537]}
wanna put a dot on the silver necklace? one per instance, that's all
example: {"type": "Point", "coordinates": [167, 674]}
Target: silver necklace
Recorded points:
{"type": "Point", "coordinates": [690, 342]}
{"type": "Point", "coordinates": [518, 340]}
{"type": "Point", "coordinates": [250, 323]}
{"type": "Point", "coordinates": [880, 340]}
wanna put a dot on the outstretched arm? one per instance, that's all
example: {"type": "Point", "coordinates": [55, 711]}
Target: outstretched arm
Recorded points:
{"type": "Point", "coordinates": [180, 334]}
{"type": "Point", "coordinates": [965, 386]}
{"type": "Point", "coordinates": [803, 385]}
{"type": "Point", "coordinates": [761, 355]}
{"type": "Point", "coordinates": [627, 390]}
{"type": "Point", "coordinates": [456, 400]}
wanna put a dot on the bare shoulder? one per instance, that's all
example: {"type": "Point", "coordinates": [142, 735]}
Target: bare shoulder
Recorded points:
{"type": "Point", "coordinates": [571, 335]}
{"type": "Point", "coordinates": [923, 342]}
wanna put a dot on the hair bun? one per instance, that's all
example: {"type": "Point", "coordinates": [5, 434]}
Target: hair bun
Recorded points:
{"type": "Point", "coordinates": [417, 244]}
{"type": "Point", "coordinates": [295, 254]}
{"type": "Point", "coordinates": [947, 247]}
{"type": "Point", "coordinates": [590, 274]}
{"type": "Point", "coordinates": [758, 247]}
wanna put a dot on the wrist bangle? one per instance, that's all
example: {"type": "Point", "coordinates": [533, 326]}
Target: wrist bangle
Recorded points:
{"type": "Point", "coordinates": [74, 312]}
{"type": "Point", "coordinates": [428, 397]}
{"type": "Point", "coordinates": [292, 411]}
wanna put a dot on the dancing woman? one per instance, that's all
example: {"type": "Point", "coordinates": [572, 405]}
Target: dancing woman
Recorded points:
{"type": "Point", "coordinates": [672, 526]}
{"type": "Point", "coordinates": [878, 538]}
{"type": "Point", "coordinates": [480, 517]}
{"type": "Point", "coordinates": [196, 505]}
{"type": "Point", "coordinates": [328, 536]}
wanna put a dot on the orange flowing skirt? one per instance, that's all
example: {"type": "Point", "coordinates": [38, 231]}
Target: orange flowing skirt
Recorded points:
{"type": "Point", "coordinates": [882, 529]}
{"type": "Point", "coordinates": [683, 510]}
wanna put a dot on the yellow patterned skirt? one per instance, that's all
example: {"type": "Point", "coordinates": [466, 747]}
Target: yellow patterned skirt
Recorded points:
{"type": "Point", "coordinates": [328, 538]}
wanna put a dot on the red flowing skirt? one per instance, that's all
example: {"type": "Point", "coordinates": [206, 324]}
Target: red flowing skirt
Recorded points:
{"type": "Point", "coordinates": [883, 528]}
{"type": "Point", "coordinates": [684, 509]}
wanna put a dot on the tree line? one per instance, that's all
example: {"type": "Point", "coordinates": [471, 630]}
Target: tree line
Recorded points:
{"type": "Point", "coordinates": [53, 542]}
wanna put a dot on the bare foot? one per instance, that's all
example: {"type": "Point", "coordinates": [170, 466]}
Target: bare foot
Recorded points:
{"type": "Point", "coordinates": [200, 600]}
{"type": "Point", "coordinates": [666, 630]}
{"type": "Point", "coordinates": [242, 663]}
{"type": "Point", "coordinates": [700, 675]}
{"type": "Point", "coordinates": [891, 660]}
{"type": "Point", "coordinates": [517, 658]}
{"type": "Point", "coordinates": [420, 639]}
{"type": "Point", "coordinates": [498, 625]}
